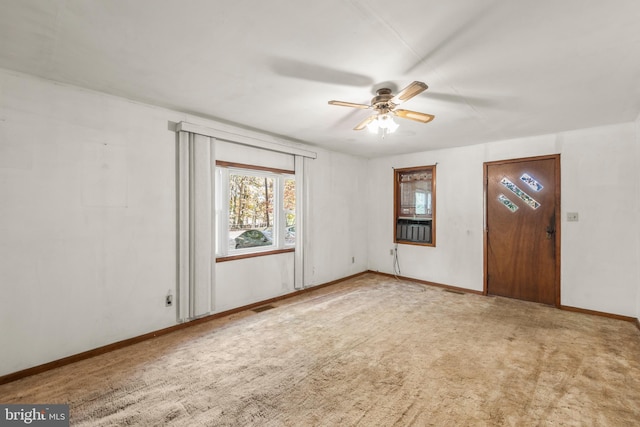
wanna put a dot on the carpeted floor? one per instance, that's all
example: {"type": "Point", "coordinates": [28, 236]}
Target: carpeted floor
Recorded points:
{"type": "Point", "coordinates": [371, 351]}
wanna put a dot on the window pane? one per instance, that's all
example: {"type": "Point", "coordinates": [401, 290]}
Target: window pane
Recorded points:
{"type": "Point", "coordinates": [415, 194]}
{"type": "Point", "coordinates": [290, 211]}
{"type": "Point", "coordinates": [250, 211]}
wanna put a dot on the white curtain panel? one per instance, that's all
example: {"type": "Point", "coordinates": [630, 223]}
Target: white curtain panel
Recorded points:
{"type": "Point", "coordinates": [196, 231]}
{"type": "Point", "coordinates": [301, 202]}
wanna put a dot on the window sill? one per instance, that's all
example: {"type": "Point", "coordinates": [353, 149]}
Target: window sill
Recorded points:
{"type": "Point", "coordinates": [253, 255]}
{"type": "Point", "coordinates": [407, 242]}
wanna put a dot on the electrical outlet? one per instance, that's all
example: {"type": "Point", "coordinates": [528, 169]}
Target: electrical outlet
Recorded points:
{"type": "Point", "coordinates": [391, 252]}
{"type": "Point", "coordinates": [168, 302]}
{"type": "Point", "coordinates": [353, 260]}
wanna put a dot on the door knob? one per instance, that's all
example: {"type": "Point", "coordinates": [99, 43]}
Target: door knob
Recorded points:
{"type": "Point", "coordinates": [550, 232]}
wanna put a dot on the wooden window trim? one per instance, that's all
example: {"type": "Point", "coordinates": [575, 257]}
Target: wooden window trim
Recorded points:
{"type": "Point", "coordinates": [254, 254]}
{"type": "Point", "coordinates": [224, 164]}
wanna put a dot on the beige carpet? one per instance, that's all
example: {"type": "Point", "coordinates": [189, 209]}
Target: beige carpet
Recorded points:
{"type": "Point", "coordinates": [371, 351]}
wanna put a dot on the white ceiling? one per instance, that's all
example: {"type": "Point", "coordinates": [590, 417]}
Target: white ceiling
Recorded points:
{"type": "Point", "coordinates": [495, 69]}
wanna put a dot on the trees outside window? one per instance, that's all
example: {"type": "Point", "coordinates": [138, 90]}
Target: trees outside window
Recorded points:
{"type": "Point", "coordinates": [250, 201]}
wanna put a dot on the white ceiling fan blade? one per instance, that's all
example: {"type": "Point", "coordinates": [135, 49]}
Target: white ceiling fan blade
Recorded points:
{"type": "Point", "coordinates": [414, 115]}
{"type": "Point", "coordinates": [363, 124]}
{"type": "Point", "coordinates": [349, 104]}
{"type": "Point", "coordinates": [409, 92]}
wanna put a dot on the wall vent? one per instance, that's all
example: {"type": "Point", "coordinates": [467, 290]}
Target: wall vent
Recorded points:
{"type": "Point", "coordinates": [262, 308]}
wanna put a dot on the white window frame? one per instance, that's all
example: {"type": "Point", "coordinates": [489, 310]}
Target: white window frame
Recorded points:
{"type": "Point", "coordinates": [222, 172]}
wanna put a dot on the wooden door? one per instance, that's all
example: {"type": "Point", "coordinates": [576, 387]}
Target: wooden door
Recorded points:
{"type": "Point", "coordinates": [522, 246]}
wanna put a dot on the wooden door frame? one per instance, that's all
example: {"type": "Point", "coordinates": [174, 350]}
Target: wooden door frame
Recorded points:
{"type": "Point", "coordinates": [556, 158]}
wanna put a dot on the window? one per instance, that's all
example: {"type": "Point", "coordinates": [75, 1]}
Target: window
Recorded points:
{"type": "Point", "coordinates": [255, 210]}
{"type": "Point", "coordinates": [415, 205]}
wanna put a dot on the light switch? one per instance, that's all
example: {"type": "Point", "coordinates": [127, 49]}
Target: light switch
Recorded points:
{"type": "Point", "coordinates": [572, 216]}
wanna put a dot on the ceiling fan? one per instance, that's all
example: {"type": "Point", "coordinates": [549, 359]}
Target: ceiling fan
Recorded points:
{"type": "Point", "coordinates": [385, 103]}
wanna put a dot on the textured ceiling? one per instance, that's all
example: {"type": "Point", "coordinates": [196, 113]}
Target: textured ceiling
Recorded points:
{"type": "Point", "coordinates": [495, 69]}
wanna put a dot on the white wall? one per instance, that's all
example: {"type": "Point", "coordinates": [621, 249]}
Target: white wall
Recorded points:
{"type": "Point", "coordinates": [338, 233]}
{"type": "Point", "coordinates": [599, 253]}
{"type": "Point", "coordinates": [599, 268]}
{"type": "Point", "coordinates": [245, 281]}
{"type": "Point", "coordinates": [88, 222]}
{"type": "Point", "coordinates": [458, 227]}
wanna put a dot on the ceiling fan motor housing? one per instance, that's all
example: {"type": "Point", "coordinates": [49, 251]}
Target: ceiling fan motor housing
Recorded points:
{"type": "Point", "coordinates": [381, 100]}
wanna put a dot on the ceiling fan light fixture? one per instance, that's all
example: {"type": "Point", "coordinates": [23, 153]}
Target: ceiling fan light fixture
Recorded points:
{"type": "Point", "coordinates": [387, 122]}
{"type": "Point", "coordinates": [383, 122]}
